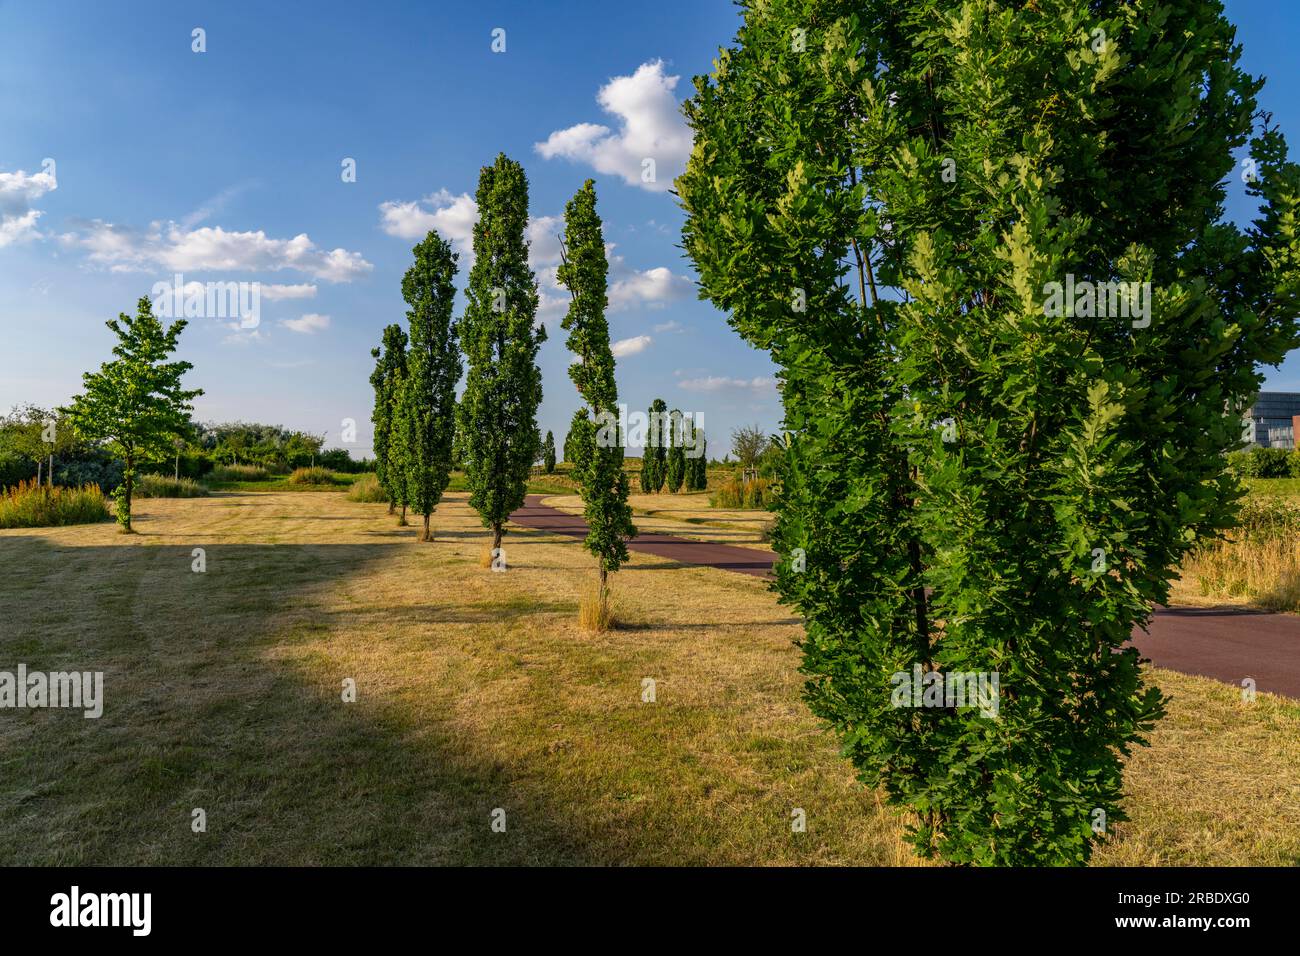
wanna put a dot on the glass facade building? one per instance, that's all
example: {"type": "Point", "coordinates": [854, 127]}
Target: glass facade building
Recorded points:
{"type": "Point", "coordinates": [1272, 419]}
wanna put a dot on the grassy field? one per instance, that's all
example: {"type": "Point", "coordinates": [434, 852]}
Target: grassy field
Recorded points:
{"type": "Point", "coordinates": [476, 691]}
{"type": "Point", "coordinates": [686, 516]}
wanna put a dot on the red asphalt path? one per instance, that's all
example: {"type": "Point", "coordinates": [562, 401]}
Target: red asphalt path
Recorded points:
{"type": "Point", "coordinates": [1224, 643]}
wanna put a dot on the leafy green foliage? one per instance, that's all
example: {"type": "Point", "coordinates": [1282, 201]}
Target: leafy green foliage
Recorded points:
{"type": "Point", "coordinates": [654, 462]}
{"type": "Point", "coordinates": [135, 403]}
{"type": "Point", "coordinates": [548, 453]}
{"type": "Point", "coordinates": [497, 414]}
{"type": "Point", "coordinates": [883, 209]}
{"type": "Point", "coordinates": [386, 380]}
{"type": "Point", "coordinates": [598, 453]}
{"type": "Point", "coordinates": [675, 473]}
{"type": "Point", "coordinates": [427, 403]}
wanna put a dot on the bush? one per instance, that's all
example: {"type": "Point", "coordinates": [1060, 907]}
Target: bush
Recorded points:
{"type": "Point", "coordinates": [165, 486]}
{"type": "Point", "coordinates": [1264, 463]}
{"type": "Point", "coordinates": [238, 473]}
{"type": "Point", "coordinates": [756, 494]}
{"type": "Point", "coordinates": [15, 469]}
{"type": "Point", "coordinates": [367, 488]}
{"type": "Point", "coordinates": [30, 506]}
{"type": "Point", "coordinates": [313, 476]}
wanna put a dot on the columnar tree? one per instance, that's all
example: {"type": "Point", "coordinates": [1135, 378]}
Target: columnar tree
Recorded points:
{"type": "Point", "coordinates": [979, 479]}
{"type": "Point", "coordinates": [135, 402]}
{"type": "Point", "coordinates": [548, 453]}
{"type": "Point", "coordinates": [390, 369]}
{"type": "Point", "coordinates": [503, 388]}
{"type": "Point", "coordinates": [599, 446]}
{"type": "Point", "coordinates": [428, 398]}
{"type": "Point", "coordinates": [675, 473]}
{"type": "Point", "coordinates": [697, 468]}
{"type": "Point", "coordinates": [654, 461]}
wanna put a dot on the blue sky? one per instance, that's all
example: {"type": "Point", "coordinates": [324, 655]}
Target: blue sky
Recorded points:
{"type": "Point", "coordinates": [226, 165]}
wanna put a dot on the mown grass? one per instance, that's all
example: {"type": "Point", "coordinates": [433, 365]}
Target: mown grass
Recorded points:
{"type": "Point", "coordinates": [29, 505]}
{"type": "Point", "coordinates": [479, 690]}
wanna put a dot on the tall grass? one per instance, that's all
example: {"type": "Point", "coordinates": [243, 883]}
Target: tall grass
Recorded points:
{"type": "Point", "coordinates": [367, 488]}
{"type": "Point", "coordinates": [30, 506]}
{"type": "Point", "coordinates": [757, 493]}
{"type": "Point", "coordinates": [1259, 562]}
{"type": "Point", "coordinates": [165, 486]}
{"type": "Point", "coordinates": [238, 473]}
{"type": "Point", "coordinates": [313, 476]}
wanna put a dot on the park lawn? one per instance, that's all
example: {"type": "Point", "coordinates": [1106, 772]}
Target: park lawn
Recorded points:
{"type": "Point", "coordinates": [687, 515]}
{"type": "Point", "coordinates": [476, 690]}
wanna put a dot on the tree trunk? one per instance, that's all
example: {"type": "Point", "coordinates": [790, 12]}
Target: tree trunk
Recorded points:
{"type": "Point", "coordinates": [604, 579]}
{"type": "Point", "coordinates": [49, 473]}
{"type": "Point", "coordinates": [178, 466]}
{"type": "Point", "coordinates": [428, 535]}
{"type": "Point", "coordinates": [402, 522]}
{"type": "Point", "coordinates": [392, 506]}
{"type": "Point", "coordinates": [129, 479]}
{"type": "Point", "coordinates": [39, 464]}
{"type": "Point", "coordinates": [496, 538]}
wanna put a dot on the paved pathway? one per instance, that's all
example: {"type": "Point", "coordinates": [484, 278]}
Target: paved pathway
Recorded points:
{"type": "Point", "coordinates": [1227, 644]}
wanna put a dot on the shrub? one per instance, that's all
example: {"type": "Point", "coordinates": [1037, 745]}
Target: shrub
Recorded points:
{"type": "Point", "coordinates": [238, 473]}
{"type": "Point", "coordinates": [15, 469]}
{"type": "Point", "coordinates": [312, 476]}
{"type": "Point", "coordinates": [30, 506]}
{"type": "Point", "coordinates": [757, 493]}
{"type": "Point", "coordinates": [1293, 463]}
{"type": "Point", "coordinates": [367, 488]}
{"type": "Point", "coordinates": [1269, 462]}
{"type": "Point", "coordinates": [165, 486]}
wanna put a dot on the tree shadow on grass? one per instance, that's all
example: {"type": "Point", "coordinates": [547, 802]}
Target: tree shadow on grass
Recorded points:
{"type": "Point", "coordinates": [220, 694]}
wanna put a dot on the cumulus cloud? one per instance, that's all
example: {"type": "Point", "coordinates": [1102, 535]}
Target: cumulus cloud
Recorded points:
{"type": "Point", "coordinates": [670, 326]}
{"type": "Point", "coordinates": [308, 324]}
{"type": "Point", "coordinates": [17, 192]}
{"type": "Point", "coordinates": [652, 287]}
{"type": "Point", "coordinates": [275, 293]}
{"type": "Point", "coordinates": [453, 218]}
{"type": "Point", "coordinates": [717, 383]}
{"type": "Point", "coordinates": [650, 126]}
{"type": "Point", "coordinates": [638, 343]}
{"type": "Point", "coordinates": [211, 249]}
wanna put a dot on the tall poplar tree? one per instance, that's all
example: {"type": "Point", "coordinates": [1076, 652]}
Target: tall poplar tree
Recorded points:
{"type": "Point", "coordinates": [548, 453]}
{"type": "Point", "coordinates": [135, 402]}
{"type": "Point", "coordinates": [654, 461]}
{"type": "Point", "coordinates": [500, 337]}
{"type": "Point", "coordinates": [433, 367]}
{"type": "Point", "coordinates": [675, 472]}
{"type": "Point", "coordinates": [978, 481]}
{"type": "Point", "coordinates": [390, 369]}
{"type": "Point", "coordinates": [598, 444]}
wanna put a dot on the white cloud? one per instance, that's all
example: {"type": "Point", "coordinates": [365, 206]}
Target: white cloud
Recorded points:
{"type": "Point", "coordinates": [632, 346]}
{"type": "Point", "coordinates": [650, 126]}
{"type": "Point", "coordinates": [452, 216]}
{"type": "Point", "coordinates": [308, 324]}
{"type": "Point", "coordinates": [17, 192]}
{"type": "Point", "coordinates": [653, 287]}
{"type": "Point", "coordinates": [275, 293]}
{"type": "Point", "coordinates": [211, 249]}
{"type": "Point", "coordinates": [716, 383]}
{"type": "Point", "coordinates": [670, 326]}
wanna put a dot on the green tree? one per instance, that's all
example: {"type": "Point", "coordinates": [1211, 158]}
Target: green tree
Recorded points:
{"type": "Point", "coordinates": [428, 399]}
{"type": "Point", "coordinates": [135, 402]}
{"type": "Point", "coordinates": [598, 444]}
{"type": "Point", "coordinates": [390, 370]}
{"type": "Point", "coordinates": [548, 453]}
{"type": "Point", "coordinates": [503, 387]}
{"type": "Point", "coordinates": [654, 461]}
{"type": "Point", "coordinates": [977, 480]}
{"type": "Point", "coordinates": [675, 473]}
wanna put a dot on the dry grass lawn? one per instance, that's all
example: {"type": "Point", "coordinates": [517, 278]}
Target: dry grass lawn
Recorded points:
{"type": "Point", "coordinates": [686, 516]}
{"type": "Point", "coordinates": [479, 690]}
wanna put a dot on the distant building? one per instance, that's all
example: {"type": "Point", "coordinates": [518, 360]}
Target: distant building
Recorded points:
{"type": "Point", "coordinates": [1274, 419]}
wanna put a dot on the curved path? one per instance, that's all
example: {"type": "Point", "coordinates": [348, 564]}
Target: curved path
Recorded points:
{"type": "Point", "coordinates": [1225, 643]}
